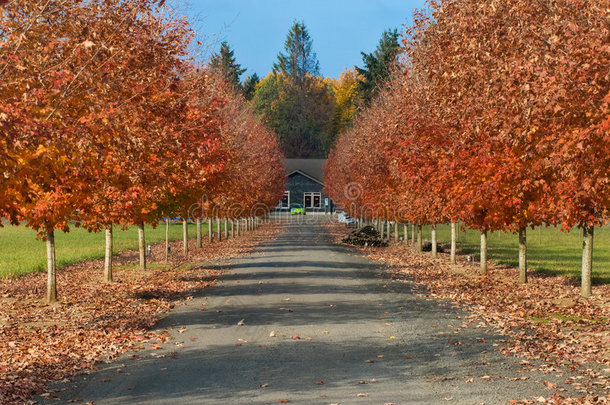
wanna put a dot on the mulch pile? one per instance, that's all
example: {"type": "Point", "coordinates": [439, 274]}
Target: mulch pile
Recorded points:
{"type": "Point", "coordinates": [365, 236]}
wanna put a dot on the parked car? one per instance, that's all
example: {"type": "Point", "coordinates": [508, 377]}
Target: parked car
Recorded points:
{"type": "Point", "coordinates": [297, 209]}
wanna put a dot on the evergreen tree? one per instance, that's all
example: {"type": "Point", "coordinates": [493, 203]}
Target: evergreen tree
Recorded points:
{"type": "Point", "coordinates": [378, 65]}
{"type": "Point", "coordinates": [300, 60]}
{"type": "Point", "coordinates": [225, 63]}
{"type": "Point", "coordinates": [249, 86]}
{"type": "Point", "coordinates": [295, 101]}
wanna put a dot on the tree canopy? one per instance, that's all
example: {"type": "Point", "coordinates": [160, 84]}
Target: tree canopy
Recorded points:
{"type": "Point", "coordinates": [225, 64]}
{"type": "Point", "coordinates": [378, 65]}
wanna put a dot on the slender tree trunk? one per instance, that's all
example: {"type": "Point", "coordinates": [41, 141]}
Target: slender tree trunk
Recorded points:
{"type": "Point", "coordinates": [395, 231]}
{"type": "Point", "coordinates": [219, 230]}
{"type": "Point", "coordinates": [185, 236]}
{"type": "Point", "coordinates": [166, 240]}
{"type": "Point", "coordinates": [587, 261]}
{"type": "Point", "coordinates": [405, 231]}
{"type": "Point", "coordinates": [420, 241]}
{"type": "Point", "coordinates": [484, 251]}
{"type": "Point", "coordinates": [226, 228]}
{"type": "Point", "coordinates": [434, 242]}
{"type": "Point", "coordinates": [199, 235]}
{"type": "Point", "coordinates": [210, 229]}
{"type": "Point", "coordinates": [142, 245]}
{"type": "Point", "coordinates": [51, 269]}
{"type": "Point", "coordinates": [453, 243]}
{"type": "Point", "coordinates": [237, 227]}
{"type": "Point", "coordinates": [388, 231]}
{"type": "Point", "coordinates": [108, 255]}
{"type": "Point", "coordinates": [413, 233]}
{"type": "Point", "coordinates": [523, 255]}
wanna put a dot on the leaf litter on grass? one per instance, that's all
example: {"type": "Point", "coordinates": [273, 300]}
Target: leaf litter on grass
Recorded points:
{"type": "Point", "coordinates": [545, 320]}
{"type": "Point", "coordinates": [95, 321]}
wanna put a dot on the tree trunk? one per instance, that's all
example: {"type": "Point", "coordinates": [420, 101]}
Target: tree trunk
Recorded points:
{"type": "Point", "coordinates": [405, 231]}
{"type": "Point", "coordinates": [587, 261]}
{"type": "Point", "coordinates": [523, 255]}
{"type": "Point", "coordinates": [453, 243]}
{"type": "Point", "coordinates": [142, 245]}
{"type": "Point", "coordinates": [210, 229]}
{"type": "Point", "coordinates": [237, 227]}
{"type": "Point", "coordinates": [108, 255]}
{"type": "Point", "coordinates": [412, 233]}
{"type": "Point", "coordinates": [434, 243]}
{"type": "Point", "coordinates": [166, 240]}
{"type": "Point", "coordinates": [219, 230]}
{"type": "Point", "coordinates": [484, 251]}
{"type": "Point", "coordinates": [199, 235]}
{"type": "Point", "coordinates": [420, 241]}
{"type": "Point", "coordinates": [226, 228]}
{"type": "Point", "coordinates": [185, 236]}
{"type": "Point", "coordinates": [51, 269]}
{"type": "Point", "coordinates": [395, 231]}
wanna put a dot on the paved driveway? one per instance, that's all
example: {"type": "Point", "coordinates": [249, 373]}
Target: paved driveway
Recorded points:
{"type": "Point", "coordinates": [314, 323]}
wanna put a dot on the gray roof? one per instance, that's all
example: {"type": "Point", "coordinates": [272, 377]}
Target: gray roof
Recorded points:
{"type": "Point", "coordinates": [311, 167]}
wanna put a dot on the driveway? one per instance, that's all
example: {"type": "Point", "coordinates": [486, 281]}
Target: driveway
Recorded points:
{"type": "Point", "coordinates": [310, 322]}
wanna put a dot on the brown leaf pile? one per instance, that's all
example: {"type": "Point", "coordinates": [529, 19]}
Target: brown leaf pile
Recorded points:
{"type": "Point", "coordinates": [95, 321]}
{"type": "Point", "coordinates": [545, 321]}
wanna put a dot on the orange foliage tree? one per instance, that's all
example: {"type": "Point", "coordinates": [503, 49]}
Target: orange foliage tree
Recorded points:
{"type": "Point", "coordinates": [502, 121]}
{"type": "Point", "coordinates": [105, 120]}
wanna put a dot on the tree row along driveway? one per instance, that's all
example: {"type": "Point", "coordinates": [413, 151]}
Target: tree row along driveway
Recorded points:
{"type": "Point", "coordinates": [305, 321]}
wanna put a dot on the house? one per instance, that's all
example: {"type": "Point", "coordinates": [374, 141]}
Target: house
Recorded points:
{"type": "Point", "coordinates": [304, 185]}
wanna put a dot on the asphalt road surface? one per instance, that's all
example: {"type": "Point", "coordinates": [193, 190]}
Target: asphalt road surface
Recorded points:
{"type": "Point", "coordinates": [310, 322]}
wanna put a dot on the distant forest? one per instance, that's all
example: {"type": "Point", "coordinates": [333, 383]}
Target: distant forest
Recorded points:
{"type": "Point", "coordinates": [306, 110]}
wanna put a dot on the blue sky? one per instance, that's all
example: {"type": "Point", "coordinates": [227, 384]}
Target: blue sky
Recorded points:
{"type": "Point", "coordinates": [341, 29]}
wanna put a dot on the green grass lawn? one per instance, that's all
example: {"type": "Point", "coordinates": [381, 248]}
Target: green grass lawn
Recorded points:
{"type": "Point", "coordinates": [550, 250]}
{"type": "Point", "coordinates": [22, 253]}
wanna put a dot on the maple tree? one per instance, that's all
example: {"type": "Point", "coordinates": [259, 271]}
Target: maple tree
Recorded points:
{"type": "Point", "coordinates": [106, 121]}
{"type": "Point", "coordinates": [497, 117]}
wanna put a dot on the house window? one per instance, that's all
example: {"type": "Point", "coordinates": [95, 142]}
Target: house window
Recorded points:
{"type": "Point", "coordinates": [313, 200]}
{"type": "Point", "coordinates": [285, 203]}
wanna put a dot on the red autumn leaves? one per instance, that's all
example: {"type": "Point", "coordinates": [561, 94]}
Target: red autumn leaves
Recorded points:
{"type": "Point", "coordinates": [497, 116]}
{"type": "Point", "coordinates": [105, 119]}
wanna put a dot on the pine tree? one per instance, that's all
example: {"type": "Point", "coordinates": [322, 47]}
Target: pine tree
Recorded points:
{"type": "Point", "coordinates": [225, 63]}
{"type": "Point", "coordinates": [378, 65]}
{"type": "Point", "coordinates": [300, 60]}
{"type": "Point", "coordinates": [249, 86]}
{"type": "Point", "coordinates": [302, 107]}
